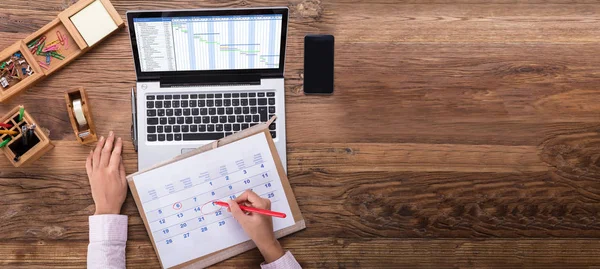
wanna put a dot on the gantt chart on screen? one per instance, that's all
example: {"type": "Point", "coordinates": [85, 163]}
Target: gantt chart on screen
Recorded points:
{"type": "Point", "coordinates": [208, 42]}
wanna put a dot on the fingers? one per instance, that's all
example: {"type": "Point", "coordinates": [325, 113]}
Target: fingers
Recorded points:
{"type": "Point", "coordinates": [88, 164]}
{"type": "Point", "coordinates": [122, 171]}
{"type": "Point", "coordinates": [243, 197]}
{"type": "Point", "coordinates": [115, 157]}
{"type": "Point", "coordinates": [107, 149]}
{"type": "Point", "coordinates": [97, 151]}
{"type": "Point", "coordinates": [254, 200]}
{"type": "Point", "coordinates": [235, 210]}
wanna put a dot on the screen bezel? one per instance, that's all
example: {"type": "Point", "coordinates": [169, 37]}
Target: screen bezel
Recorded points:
{"type": "Point", "coordinates": [262, 73]}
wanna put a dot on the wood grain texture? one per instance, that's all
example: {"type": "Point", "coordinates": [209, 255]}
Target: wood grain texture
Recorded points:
{"type": "Point", "coordinates": [462, 134]}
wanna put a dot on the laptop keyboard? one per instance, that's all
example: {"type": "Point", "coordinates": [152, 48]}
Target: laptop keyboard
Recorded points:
{"type": "Point", "coordinates": [212, 116]}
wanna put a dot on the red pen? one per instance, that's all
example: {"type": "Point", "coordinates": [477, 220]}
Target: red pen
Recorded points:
{"type": "Point", "coordinates": [255, 210]}
{"type": "Point", "coordinates": [5, 125]}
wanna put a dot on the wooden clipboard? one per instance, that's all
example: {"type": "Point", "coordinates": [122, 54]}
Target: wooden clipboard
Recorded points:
{"type": "Point", "coordinates": [227, 253]}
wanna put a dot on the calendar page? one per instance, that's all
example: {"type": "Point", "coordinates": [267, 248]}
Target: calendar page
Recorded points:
{"type": "Point", "coordinates": [177, 198]}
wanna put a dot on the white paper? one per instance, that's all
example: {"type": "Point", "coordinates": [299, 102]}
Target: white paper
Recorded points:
{"type": "Point", "coordinates": [93, 22]}
{"type": "Point", "coordinates": [177, 198]}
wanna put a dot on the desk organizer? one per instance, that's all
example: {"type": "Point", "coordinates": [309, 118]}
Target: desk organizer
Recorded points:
{"type": "Point", "coordinates": [75, 31]}
{"type": "Point", "coordinates": [80, 115]}
{"type": "Point", "coordinates": [16, 151]}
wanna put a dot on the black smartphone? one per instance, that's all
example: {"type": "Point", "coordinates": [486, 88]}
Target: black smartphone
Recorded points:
{"type": "Point", "coordinates": [318, 64]}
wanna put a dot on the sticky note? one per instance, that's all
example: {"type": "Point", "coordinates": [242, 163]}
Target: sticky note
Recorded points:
{"type": "Point", "coordinates": [93, 23]}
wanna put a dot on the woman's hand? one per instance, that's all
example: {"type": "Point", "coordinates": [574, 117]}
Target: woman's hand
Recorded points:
{"type": "Point", "coordinates": [257, 226]}
{"type": "Point", "coordinates": [106, 173]}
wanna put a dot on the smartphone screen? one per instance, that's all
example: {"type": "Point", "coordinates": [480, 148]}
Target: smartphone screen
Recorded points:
{"type": "Point", "coordinates": [318, 64]}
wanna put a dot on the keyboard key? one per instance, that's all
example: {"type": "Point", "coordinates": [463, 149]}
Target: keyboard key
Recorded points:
{"type": "Point", "coordinates": [169, 137]}
{"type": "Point", "coordinates": [160, 97]}
{"type": "Point", "coordinates": [185, 128]}
{"type": "Point", "coordinates": [253, 110]}
{"type": "Point", "coordinates": [262, 101]}
{"type": "Point", "coordinates": [187, 112]}
{"type": "Point", "coordinates": [210, 103]}
{"type": "Point", "coordinates": [240, 119]}
{"type": "Point", "coordinates": [210, 95]}
{"type": "Point", "coordinates": [261, 94]}
{"type": "Point", "coordinates": [158, 104]}
{"type": "Point", "coordinates": [193, 96]}
{"type": "Point", "coordinates": [252, 102]}
{"type": "Point", "coordinates": [161, 137]}
{"type": "Point", "coordinates": [236, 127]}
{"type": "Point", "coordinates": [229, 110]}
{"type": "Point", "coordinates": [227, 95]}
{"type": "Point", "coordinates": [271, 109]}
{"type": "Point", "coordinates": [220, 111]}
{"type": "Point", "coordinates": [197, 120]}
{"type": "Point", "coordinates": [270, 94]}
{"type": "Point", "coordinates": [163, 121]}
{"type": "Point", "coordinates": [228, 133]}
{"type": "Point", "coordinates": [271, 116]}
{"type": "Point", "coordinates": [235, 102]}
{"type": "Point", "coordinates": [175, 104]}
{"type": "Point", "coordinates": [193, 103]}
{"type": "Point", "coordinates": [205, 119]}
{"type": "Point", "coordinates": [256, 118]}
{"type": "Point", "coordinates": [184, 96]}
{"type": "Point", "coordinates": [202, 136]}
{"type": "Point", "coordinates": [201, 96]}
{"type": "Point", "coordinates": [193, 128]}
{"type": "Point", "coordinates": [189, 120]}
{"type": "Point", "coordinates": [152, 121]}
{"type": "Point", "coordinates": [262, 111]}
{"type": "Point", "coordinates": [169, 112]}
{"type": "Point", "coordinates": [151, 113]}
{"type": "Point", "coordinates": [176, 96]}
{"type": "Point", "coordinates": [167, 104]}
{"type": "Point", "coordinates": [180, 120]}
{"type": "Point", "coordinates": [272, 126]}
{"type": "Point", "coordinates": [178, 112]}
{"type": "Point", "coordinates": [210, 127]}
{"type": "Point", "coordinates": [218, 102]}
{"type": "Point", "coordinates": [151, 129]}
{"type": "Point", "coordinates": [202, 128]}
{"type": "Point", "coordinates": [151, 137]}
{"type": "Point", "coordinates": [195, 111]}
{"type": "Point", "coordinates": [218, 95]}
{"type": "Point", "coordinates": [227, 102]}
{"type": "Point", "coordinates": [204, 111]}
{"type": "Point", "coordinates": [168, 129]}
{"type": "Point", "coordinates": [219, 127]}
{"type": "Point", "coordinates": [223, 119]}
{"type": "Point", "coordinates": [214, 119]}
{"type": "Point", "coordinates": [252, 94]}
{"type": "Point", "coordinates": [159, 129]}
{"type": "Point", "coordinates": [271, 101]}
{"type": "Point", "coordinates": [177, 137]}
{"type": "Point", "coordinates": [248, 118]}
{"type": "Point", "coordinates": [228, 127]}
{"type": "Point", "coordinates": [172, 120]}
{"type": "Point", "coordinates": [244, 102]}
{"type": "Point", "coordinates": [273, 134]}
{"type": "Point", "coordinates": [231, 119]}
{"type": "Point", "coordinates": [168, 97]}
{"type": "Point", "coordinates": [212, 111]}
{"type": "Point", "coordinates": [235, 95]}
{"type": "Point", "coordinates": [243, 94]}
{"type": "Point", "coordinates": [246, 110]}
{"type": "Point", "coordinates": [201, 103]}
{"type": "Point", "coordinates": [245, 126]}
{"type": "Point", "coordinates": [176, 128]}
{"type": "Point", "coordinates": [238, 110]}
{"type": "Point", "coordinates": [185, 103]}
{"type": "Point", "coordinates": [149, 97]}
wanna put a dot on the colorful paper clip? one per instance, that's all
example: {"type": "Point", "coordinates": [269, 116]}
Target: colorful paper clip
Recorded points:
{"type": "Point", "coordinates": [43, 65]}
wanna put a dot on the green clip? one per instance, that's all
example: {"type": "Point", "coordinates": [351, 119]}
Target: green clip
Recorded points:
{"type": "Point", "coordinates": [21, 113]}
{"type": "Point", "coordinates": [39, 50]}
{"type": "Point", "coordinates": [3, 65]}
{"type": "Point", "coordinates": [32, 43]}
{"type": "Point", "coordinates": [3, 144]}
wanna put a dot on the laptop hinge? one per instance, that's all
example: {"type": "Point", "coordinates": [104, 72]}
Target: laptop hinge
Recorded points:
{"type": "Point", "coordinates": [188, 81]}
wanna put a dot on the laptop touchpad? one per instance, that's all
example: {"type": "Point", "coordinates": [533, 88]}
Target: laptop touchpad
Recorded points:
{"type": "Point", "coordinates": [186, 150]}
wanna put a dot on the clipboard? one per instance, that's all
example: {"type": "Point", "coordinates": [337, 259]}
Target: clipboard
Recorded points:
{"type": "Point", "coordinates": [227, 253]}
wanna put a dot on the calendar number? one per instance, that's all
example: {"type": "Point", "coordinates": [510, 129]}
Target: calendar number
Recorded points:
{"type": "Point", "coordinates": [270, 195]}
{"type": "Point", "coordinates": [232, 197]}
{"type": "Point", "coordinates": [268, 185]}
{"type": "Point", "coordinates": [265, 175]}
{"type": "Point", "coordinates": [186, 235]}
{"type": "Point", "coordinates": [230, 187]}
{"type": "Point", "coordinates": [161, 221]}
{"type": "Point", "coordinates": [213, 193]}
{"type": "Point", "coordinates": [218, 213]}
{"type": "Point", "coordinates": [194, 199]}
{"type": "Point", "coordinates": [165, 231]}
{"type": "Point", "coordinates": [247, 181]}
{"type": "Point", "coordinates": [203, 229]}
{"type": "Point", "coordinates": [245, 172]}
{"type": "Point", "coordinates": [221, 223]}
{"type": "Point", "coordinates": [226, 177]}
{"type": "Point", "coordinates": [210, 183]}
{"type": "Point", "coordinates": [197, 209]}
{"type": "Point", "coordinates": [180, 215]}
{"type": "Point", "coordinates": [262, 165]}
{"type": "Point", "coordinates": [159, 211]}
{"type": "Point", "coordinates": [169, 241]}
{"type": "Point", "coordinates": [200, 219]}
{"type": "Point", "coordinates": [183, 225]}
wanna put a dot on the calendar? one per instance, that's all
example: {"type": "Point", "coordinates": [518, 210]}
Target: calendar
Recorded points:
{"type": "Point", "coordinates": [177, 199]}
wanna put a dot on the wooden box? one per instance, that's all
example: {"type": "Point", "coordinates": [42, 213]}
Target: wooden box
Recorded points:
{"type": "Point", "coordinates": [84, 133]}
{"type": "Point", "coordinates": [64, 32]}
{"type": "Point", "coordinates": [37, 146]}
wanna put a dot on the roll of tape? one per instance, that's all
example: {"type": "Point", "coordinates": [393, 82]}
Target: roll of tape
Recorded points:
{"type": "Point", "coordinates": [78, 112]}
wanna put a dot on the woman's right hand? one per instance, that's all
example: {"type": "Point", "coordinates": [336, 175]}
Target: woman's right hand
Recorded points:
{"type": "Point", "coordinates": [257, 226]}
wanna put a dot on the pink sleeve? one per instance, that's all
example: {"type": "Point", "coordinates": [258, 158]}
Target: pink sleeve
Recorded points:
{"type": "Point", "coordinates": [108, 235]}
{"type": "Point", "coordinates": [286, 261]}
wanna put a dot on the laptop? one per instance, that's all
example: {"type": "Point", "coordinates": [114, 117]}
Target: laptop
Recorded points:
{"type": "Point", "coordinates": [206, 74]}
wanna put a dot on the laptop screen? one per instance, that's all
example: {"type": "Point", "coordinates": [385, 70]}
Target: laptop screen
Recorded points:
{"type": "Point", "coordinates": [202, 43]}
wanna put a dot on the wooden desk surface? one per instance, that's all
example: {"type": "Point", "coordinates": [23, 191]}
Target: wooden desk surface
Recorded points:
{"type": "Point", "coordinates": [461, 134]}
